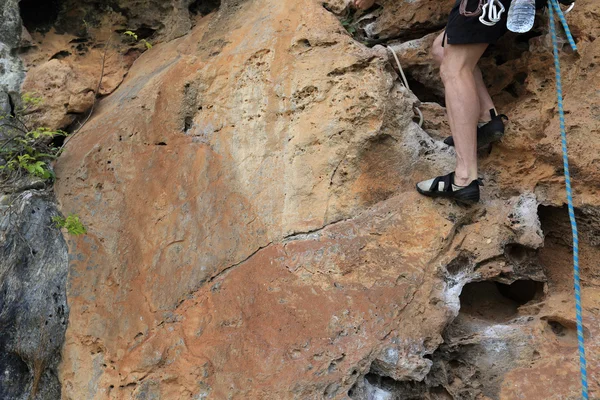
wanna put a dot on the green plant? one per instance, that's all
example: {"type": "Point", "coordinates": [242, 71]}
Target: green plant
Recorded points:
{"type": "Point", "coordinates": [72, 224]}
{"type": "Point", "coordinates": [347, 24]}
{"type": "Point", "coordinates": [131, 34]}
{"type": "Point", "coordinates": [29, 99]}
{"type": "Point", "coordinates": [134, 36]}
{"type": "Point", "coordinates": [24, 148]}
{"type": "Point", "coordinates": [348, 20]}
{"type": "Point", "coordinates": [30, 164]}
{"type": "Point", "coordinates": [146, 43]}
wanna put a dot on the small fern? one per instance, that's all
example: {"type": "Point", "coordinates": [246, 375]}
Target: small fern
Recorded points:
{"type": "Point", "coordinates": [146, 43]}
{"type": "Point", "coordinates": [131, 34]}
{"type": "Point", "coordinates": [72, 224]}
{"type": "Point", "coordinates": [24, 148]}
{"type": "Point", "coordinates": [134, 36]}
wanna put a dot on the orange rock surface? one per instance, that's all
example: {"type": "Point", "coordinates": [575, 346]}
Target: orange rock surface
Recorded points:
{"type": "Point", "coordinates": [253, 231]}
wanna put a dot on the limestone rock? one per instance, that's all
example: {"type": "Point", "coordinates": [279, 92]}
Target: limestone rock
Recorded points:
{"type": "Point", "coordinates": [11, 69]}
{"type": "Point", "coordinates": [406, 20]}
{"type": "Point", "coordinates": [71, 91]}
{"type": "Point", "coordinates": [33, 306]}
{"type": "Point", "coordinates": [254, 231]}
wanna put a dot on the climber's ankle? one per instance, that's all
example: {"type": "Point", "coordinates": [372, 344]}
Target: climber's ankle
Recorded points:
{"type": "Point", "coordinates": [462, 178]}
{"type": "Point", "coordinates": [484, 117]}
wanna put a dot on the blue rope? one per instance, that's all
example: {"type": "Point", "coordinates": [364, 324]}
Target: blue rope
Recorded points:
{"type": "Point", "coordinates": [563, 21]}
{"type": "Point", "coordinates": [553, 4]}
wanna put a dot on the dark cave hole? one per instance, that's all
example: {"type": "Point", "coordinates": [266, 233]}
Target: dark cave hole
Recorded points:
{"type": "Point", "coordinates": [521, 291]}
{"type": "Point", "coordinates": [564, 329]}
{"type": "Point", "coordinates": [519, 254]}
{"type": "Point", "coordinates": [144, 32]}
{"type": "Point", "coordinates": [556, 224]}
{"type": "Point", "coordinates": [409, 390]}
{"type": "Point", "coordinates": [204, 7]}
{"type": "Point", "coordinates": [516, 88]}
{"type": "Point", "coordinates": [424, 93]}
{"type": "Point", "coordinates": [58, 141]}
{"type": "Point", "coordinates": [405, 390]}
{"type": "Point", "coordinates": [39, 15]}
{"type": "Point", "coordinates": [60, 55]}
{"type": "Point", "coordinates": [557, 328]}
{"type": "Point", "coordinates": [457, 265]}
{"type": "Point", "coordinates": [188, 122]}
{"type": "Point", "coordinates": [496, 301]}
{"type": "Point", "coordinates": [556, 255]}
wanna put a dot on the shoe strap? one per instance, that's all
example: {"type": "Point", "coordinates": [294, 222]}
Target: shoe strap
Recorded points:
{"type": "Point", "coordinates": [493, 114]}
{"type": "Point", "coordinates": [447, 180]}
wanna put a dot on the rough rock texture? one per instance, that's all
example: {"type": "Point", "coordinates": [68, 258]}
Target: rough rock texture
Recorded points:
{"type": "Point", "coordinates": [391, 19]}
{"type": "Point", "coordinates": [33, 258]}
{"type": "Point", "coordinates": [69, 45]}
{"type": "Point", "coordinates": [11, 69]}
{"type": "Point", "coordinates": [33, 304]}
{"type": "Point", "coordinates": [254, 232]}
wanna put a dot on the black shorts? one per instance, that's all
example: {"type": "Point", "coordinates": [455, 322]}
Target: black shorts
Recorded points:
{"type": "Point", "coordinates": [468, 30]}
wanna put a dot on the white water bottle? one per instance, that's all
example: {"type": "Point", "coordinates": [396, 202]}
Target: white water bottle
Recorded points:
{"type": "Point", "coordinates": [521, 16]}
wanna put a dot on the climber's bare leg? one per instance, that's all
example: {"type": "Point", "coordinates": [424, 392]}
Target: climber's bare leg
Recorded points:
{"type": "Point", "coordinates": [463, 105]}
{"type": "Point", "coordinates": [485, 101]}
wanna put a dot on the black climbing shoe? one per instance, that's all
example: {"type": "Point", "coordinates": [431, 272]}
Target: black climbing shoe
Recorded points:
{"type": "Point", "coordinates": [487, 133]}
{"type": "Point", "coordinates": [443, 186]}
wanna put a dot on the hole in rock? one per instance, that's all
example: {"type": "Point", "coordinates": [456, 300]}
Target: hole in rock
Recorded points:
{"type": "Point", "coordinates": [58, 141]}
{"type": "Point", "coordinates": [522, 291]}
{"type": "Point", "coordinates": [556, 256]}
{"type": "Point", "coordinates": [563, 329]}
{"type": "Point", "coordinates": [457, 265]}
{"type": "Point", "coordinates": [204, 7]}
{"type": "Point", "coordinates": [516, 88]}
{"type": "Point", "coordinates": [380, 387]}
{"type": "Point", "coordinates": [519, 254]}
{"type": "Point", "coordinates": [60, 55]}
{"type": "Point", "coordinates": [557, 328]}
{"type": "Point", "coordinates": [424, 93]}
{"type": "Point", "coordinates": [187, 123]}
{"type": "Point", "coordinates": [144, 32]}
{"type": "Point", "coordinates": [39, 15]}
{"type": "Point", "coordinates": [494, 301]}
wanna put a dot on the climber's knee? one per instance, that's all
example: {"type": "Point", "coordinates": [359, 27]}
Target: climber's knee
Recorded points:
{"type": "Point", "coordinates": [460, 60]}
{"type": "Point", "coordinates": [451, 71]}
{"type": "Point", "coordinates": [437, 51]}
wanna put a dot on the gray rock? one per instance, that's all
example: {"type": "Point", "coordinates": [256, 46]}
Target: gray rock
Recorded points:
{"type": "Point", "coordinates": [11, 68]}
{"type": "Point", "coordinates": [33, 306]}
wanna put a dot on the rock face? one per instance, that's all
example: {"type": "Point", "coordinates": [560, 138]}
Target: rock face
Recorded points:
{"type": "Point", "coordinates": [33, 257]}
{"type": "Point", "coordinates": [33, 304]}
{"type": "Point", "coordinates": [75, 51]}
{"type": "Point", "coordinates": [253, 228]}
{"type": "Point", "coordinates": [11, 70]}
